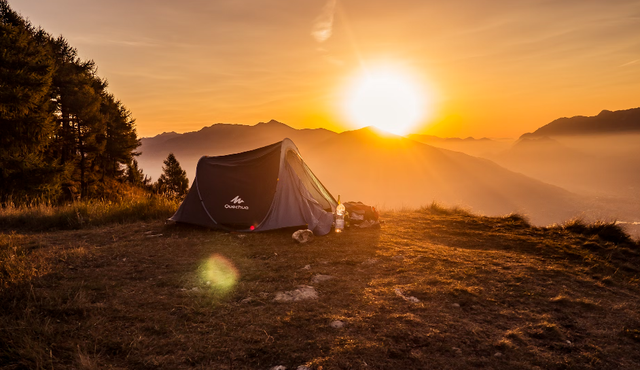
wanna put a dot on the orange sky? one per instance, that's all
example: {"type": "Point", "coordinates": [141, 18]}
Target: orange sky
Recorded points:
{"type": "Point", "coordinates": [495, 68]}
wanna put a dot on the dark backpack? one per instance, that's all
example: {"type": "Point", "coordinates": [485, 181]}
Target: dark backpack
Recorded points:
{"type": "Point", "coordinates": [359, 212]}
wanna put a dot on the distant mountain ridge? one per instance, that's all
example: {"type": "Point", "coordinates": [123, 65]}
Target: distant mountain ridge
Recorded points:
{"type": "Point", "coordinates": [483, 147]}
{"type": "Point", "coordinates": [377, 168]}
{"type": "Point", "coordinates": [219, 139]}
{"type": "Point", "coordinates": [607, 122]}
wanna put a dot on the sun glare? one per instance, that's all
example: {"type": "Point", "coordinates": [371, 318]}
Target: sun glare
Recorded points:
{"type": "Point", "coordinates": [387, 99]}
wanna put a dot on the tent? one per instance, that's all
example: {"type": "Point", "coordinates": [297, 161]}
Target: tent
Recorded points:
{"type": "Point", "coordinates": [261, 189]}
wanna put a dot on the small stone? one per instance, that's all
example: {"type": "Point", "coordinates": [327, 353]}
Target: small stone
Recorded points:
{"type": "Point", "coordinates": [398, 257]}
{"type": "Point", "coordinates": [337, 324]}
{"type": "Point", "coordinates": [303, 236]}
{"type": "Point", "coordinates": [497, 354]}
{"type": "Point", "coordinates": [303, 367]}
{"type": "Point", "coordinates": [246, 300]}
{"type": "Point", "coordinates": [303, 292]}
{"type": "Point", "coordinates": [456, 350]}
{"type": "Point", "coordinates": [195, 289]}
{"type": "Point", "coordinates": [319, 278]}
{"type": "Point", "coordinates": [279, 367]}
{"type": "Point", "coordinates": [569, 342]}
{"type": "Point", "coordinates": [456, 305]}
{"type": "Point", "coordinates": [307, 267]}
{"type": "Point", "coordinates": [370, 261]}
{"type": "Point", "coordinates": [413, 299]}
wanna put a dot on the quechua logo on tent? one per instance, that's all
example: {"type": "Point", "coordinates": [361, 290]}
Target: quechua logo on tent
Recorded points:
{"type": "Point", "coordinates": [237, 204]}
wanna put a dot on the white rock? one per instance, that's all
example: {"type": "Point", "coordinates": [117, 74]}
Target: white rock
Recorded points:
{"type": "Point", "coordinates": [337, 324]}
{"type": "Point", "coordinates": [279, 367]}
{"type": "Point", "coordinates": [303, 367]}
{"type": "Point", "coordinates": [303, 236]}
{"type": "Point", "coordinates": [410, 299]}
{"type": "Point", "coordinates": [319, 278]}
{"type": "Point", "coordinates": [307, 267]}
{"type": "Point", "coordinates": [303, 292]}
{"type": "Point", "coordinates": [497, 354]}
{"type": "Point", "coordinates": [456, 305]}
{"type": "Point", "coordinates": [246, 300]}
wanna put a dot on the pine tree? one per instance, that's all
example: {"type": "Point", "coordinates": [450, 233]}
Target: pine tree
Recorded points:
{"type": "Point", "coordinates": [173, 181]}
{"type": "Point", "coordinates": [81, 136]}
{"type": "Point", "coordinates": [26, 113]}
{"type": "Point", "coordinates": [60, 130]}
{"type": "Point", "coordinates": [121, 139]}
{"type": "Point", "coordinates": [135, 175]}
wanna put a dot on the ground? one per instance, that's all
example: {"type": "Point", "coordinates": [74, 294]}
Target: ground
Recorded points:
{"type": "Point", "coordinates": [429, 289]}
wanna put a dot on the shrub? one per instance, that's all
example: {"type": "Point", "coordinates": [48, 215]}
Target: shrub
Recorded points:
{"type": "Point", "coordinates": [607, 231]}
{"type": "Point", "coordinates": [439, 209]}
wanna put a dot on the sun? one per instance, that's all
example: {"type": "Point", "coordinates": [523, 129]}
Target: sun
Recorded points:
{"type": "Point", "coordinates": [387, 99]}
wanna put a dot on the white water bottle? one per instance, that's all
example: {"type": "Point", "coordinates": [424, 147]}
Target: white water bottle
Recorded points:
{"type": "Point", "coordinates": [340, 211]}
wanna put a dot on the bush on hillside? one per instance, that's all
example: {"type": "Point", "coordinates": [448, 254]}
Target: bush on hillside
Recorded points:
{"type": "Point", "coordinates": [607, 231]}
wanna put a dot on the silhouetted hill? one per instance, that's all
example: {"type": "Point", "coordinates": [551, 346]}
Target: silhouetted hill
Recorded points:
{"type": "Point", "coordinates": [220, 139]}
{"type": "Point", "coordinates": [392, 171]}
{"type": "Point", "coordinates": [607, 122]}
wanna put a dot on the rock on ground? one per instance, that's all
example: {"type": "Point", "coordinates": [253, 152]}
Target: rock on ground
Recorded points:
{"type": "Point", "coordinates": [303, 292]}
{"type": "Point", "coordinates": [303, 236]}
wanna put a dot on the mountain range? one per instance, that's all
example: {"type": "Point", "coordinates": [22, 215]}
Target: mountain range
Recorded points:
{"type": "Point", "coordinates": [548, 178]}
{"type": "Point", "coordinates": [607, 122]}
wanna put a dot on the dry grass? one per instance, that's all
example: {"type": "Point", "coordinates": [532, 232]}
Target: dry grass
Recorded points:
{"type": "Point", "coordinates": [493, 293]}
{"type": "Point", "coordinates": [82, 214]}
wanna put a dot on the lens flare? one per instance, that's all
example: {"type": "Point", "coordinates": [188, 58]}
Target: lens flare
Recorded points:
{"type": "Point", "coordinates": [220, 273]}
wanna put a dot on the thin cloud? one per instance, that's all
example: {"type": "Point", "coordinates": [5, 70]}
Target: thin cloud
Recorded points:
{"type": "Point", "coordinates": [630, 63]}
{"type": "Point", "coordinates": [323, 26]}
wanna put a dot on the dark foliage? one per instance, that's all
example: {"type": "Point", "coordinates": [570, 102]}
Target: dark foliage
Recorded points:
{"type": "Point", "coordinates": [607, 231]}
{"type": "Point", "coordinates": [62, 134]}
{"type": "Point", "coordinates": [173, 181]}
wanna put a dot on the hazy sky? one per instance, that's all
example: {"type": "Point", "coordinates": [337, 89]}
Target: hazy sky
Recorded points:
{"type": "Point", "coordinates": [494, 68]}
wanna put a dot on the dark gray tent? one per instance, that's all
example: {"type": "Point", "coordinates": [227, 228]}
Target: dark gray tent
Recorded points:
{"type": "Point", "coordinates": [262, 189]}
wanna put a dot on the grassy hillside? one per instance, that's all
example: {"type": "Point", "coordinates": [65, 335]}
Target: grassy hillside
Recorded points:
{"type": "Point", "coordinates": [430, 289]}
